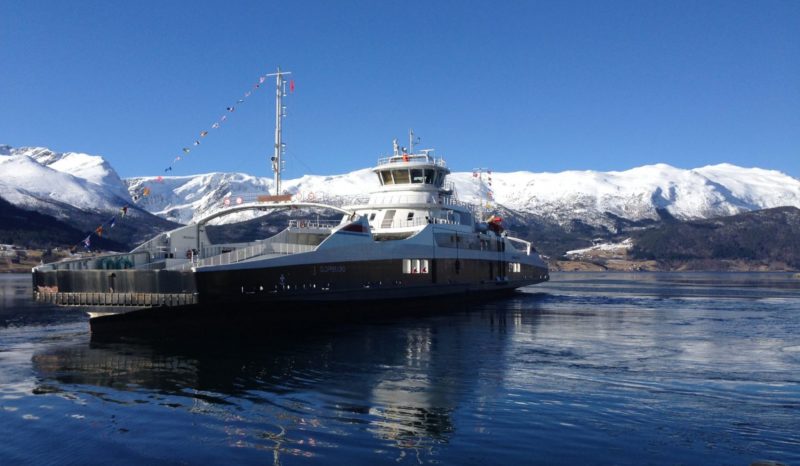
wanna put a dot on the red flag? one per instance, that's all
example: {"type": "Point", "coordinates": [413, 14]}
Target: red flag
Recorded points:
{"type": "Point", "coordinates": [291, 85]}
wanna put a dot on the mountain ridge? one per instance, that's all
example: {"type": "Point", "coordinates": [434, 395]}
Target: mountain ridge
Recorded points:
{"type": "Point", "coordinates": [558, 211]}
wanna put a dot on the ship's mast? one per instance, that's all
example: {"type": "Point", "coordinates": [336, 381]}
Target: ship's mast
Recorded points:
{"type": "Point", "coordinates": [280, 91]}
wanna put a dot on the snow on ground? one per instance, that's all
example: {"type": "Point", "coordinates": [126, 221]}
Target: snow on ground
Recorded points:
{"type": "Point", "coordinates": [603, 249]}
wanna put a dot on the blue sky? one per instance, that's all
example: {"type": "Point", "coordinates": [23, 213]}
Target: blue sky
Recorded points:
{"type": "Point", "coordinates": [509, 85]}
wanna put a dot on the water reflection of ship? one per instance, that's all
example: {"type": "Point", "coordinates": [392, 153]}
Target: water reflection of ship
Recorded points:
{"type": "Point", "coordinates": [402, 381]}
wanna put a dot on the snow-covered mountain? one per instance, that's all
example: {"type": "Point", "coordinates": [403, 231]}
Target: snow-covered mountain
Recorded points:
{"type": "Point", "coordinates": [186, 198]}
{"type": "Point", "coordinates": [92, 168]}
{"type": "Point", "coordinates": [636, 194]}
{"type": "Point", "coordinates": [79, 189]}
{"type": "Point", "coordinates": [590, 196]}
{"type": "Point", "coordinates": [41, 179]}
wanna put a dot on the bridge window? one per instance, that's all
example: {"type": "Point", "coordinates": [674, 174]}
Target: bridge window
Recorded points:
{"type": "Point", "coordinates": [429, 175]}
{"type": "Point", "coordinates": [416, 176]}
{"type": "Point", "coordinates": [401, 176]}
{"type": "Point", "coordinates": [386, 177]}
{"type": "Point", "coordinates": [439, 178]}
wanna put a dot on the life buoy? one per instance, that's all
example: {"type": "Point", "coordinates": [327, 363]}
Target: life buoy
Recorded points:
{"type": "Point", "coordinates": [310, 196]}
{"type": "Point", "coordinates": [301, 224]}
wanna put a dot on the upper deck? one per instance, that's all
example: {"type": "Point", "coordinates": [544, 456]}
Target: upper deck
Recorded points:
{"type": "Point", "coordinates": [425, 157]}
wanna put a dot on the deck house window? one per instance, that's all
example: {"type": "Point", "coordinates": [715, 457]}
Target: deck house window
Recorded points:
{"type": "Point", "coordinates": [414, 266]}
{"type": "Point", "coordinates": [401, 176]}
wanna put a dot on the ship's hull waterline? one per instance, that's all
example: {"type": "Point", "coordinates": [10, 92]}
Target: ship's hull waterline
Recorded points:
{"type": "Point", "coordinates": [275, 291]}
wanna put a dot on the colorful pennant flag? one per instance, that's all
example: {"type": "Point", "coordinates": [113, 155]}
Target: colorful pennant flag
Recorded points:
{"type": "Point", "coordinates": [145, 191]}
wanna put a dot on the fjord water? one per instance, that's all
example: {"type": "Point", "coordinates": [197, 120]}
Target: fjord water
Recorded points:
{"type": "Point", "coordinates": [585, 369]}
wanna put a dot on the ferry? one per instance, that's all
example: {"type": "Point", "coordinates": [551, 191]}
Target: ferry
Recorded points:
{"type": "Point", "coordinates": [412, 239]}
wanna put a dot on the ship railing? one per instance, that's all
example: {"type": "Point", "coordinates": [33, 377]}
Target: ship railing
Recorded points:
{"type": "Point", "coordinates": [450, 200]}
{"type": "Point", "coordinates": [118, 261]}
{"type": "Point", "coordinates": [341, 201]}
{"type": "Point", "coordinates": [417, 222]}
{"type": "Point", "coordinates": [240, 254]}
{"type": "Point", "coordinates": [318, 224]}
{"type": "Point", "coordinates": [416, 158]}
{"type": "Point", "coordinates": [158, 265]}
{"type": "Point", "coordinates": [292, 248]}
{"type": "Point", "coordinates": [519, 244]}
{"type": "Point", "coordinates": [395, 199]}
{"type": "Point", "coordinates": [246, 198]}
{"type": "Point", "coordinates": [233, 256]}
{"type": "Point", "coordinates": [321, 197]}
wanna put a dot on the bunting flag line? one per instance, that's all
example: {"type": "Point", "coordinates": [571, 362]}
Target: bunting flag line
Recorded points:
{"type": "Point", "coordinates": [229, 109]}
{"type": "Point", "coordinates": [144, 191]}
